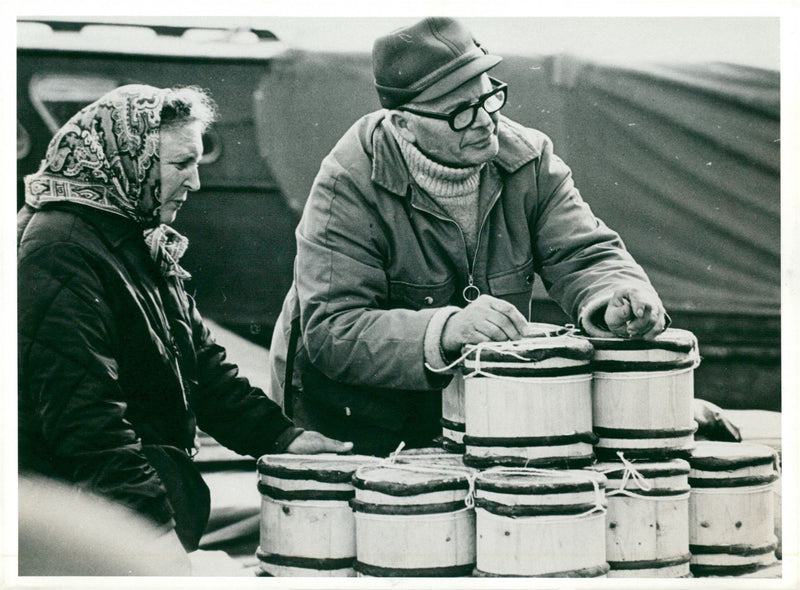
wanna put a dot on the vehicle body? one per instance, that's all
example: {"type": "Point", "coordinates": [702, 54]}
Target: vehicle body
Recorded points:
{"type": "Point", "coordinates": [239, 226]}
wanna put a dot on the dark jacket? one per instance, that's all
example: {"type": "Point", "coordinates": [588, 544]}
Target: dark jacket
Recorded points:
{"type": "Point", "coordinates": [117, 369]}
{"type": "Point", "coordinates": [376, 259]}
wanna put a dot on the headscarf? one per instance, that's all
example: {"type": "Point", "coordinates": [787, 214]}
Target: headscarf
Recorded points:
{"type": "Point", "coordinates": [107, 157]}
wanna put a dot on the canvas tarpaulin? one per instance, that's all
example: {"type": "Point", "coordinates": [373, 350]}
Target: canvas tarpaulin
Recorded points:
{"type": "Point", "coordinates": [684, 162]}
{"type": "Point", "coordinates": [681, 160]}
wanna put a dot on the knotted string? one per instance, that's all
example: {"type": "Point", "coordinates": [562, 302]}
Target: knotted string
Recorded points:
{"type": "Point", "coordinates": [391, 461]}
{"type": "Point", "coordinates": [469, 499]}
{"type": "Point", "coordinates": [599, 496]}
{"type": "Point", "coordinates": [776, 462]}
{"type": "Point", "coordinates": [629, 472]}
{"type": "Point", "coordinates": [735, 490]}
{"type": "Point", "coordinates": [507, 347]}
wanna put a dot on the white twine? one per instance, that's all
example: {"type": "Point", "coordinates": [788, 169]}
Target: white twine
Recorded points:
{"type": "Point", "coordinates": [776, 462]}
{"type": "Point", "coordinates": [630, 472]}
{"type": "Point", "coordinates": [469, 501]}
{"type": "Point", "coordinates": [391, 461]}
{"type": "Point", "coordinates": [735, 490]}
{"type": "Point", "coordinates": [393, 455]}
{"type": "Point", "coordinates": [629, 494]}
{"type": "Point", "coordinates": [508, 347]}
{"type": "Point", "coordinates": [641, 482]}
{"type": "Point", "coordinates": [599, 497]}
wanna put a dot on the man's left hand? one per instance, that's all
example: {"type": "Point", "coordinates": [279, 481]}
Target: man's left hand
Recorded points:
{"type": "Point", "coordinates": [311, 443]}
{"type": "Point", "coordinates": [712, 423]}
{"type": "Point", "coordinates": [634, 312]}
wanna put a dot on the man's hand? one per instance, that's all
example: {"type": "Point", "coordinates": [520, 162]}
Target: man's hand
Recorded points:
{"type": "Point", "coordinates": [633, 312]}
{"type": "Point", "coordinates": [487, 319]}
{"type": "Point", "coordinates": [311, 443]}
{"type": "Point", "coordinates": [712, 424]}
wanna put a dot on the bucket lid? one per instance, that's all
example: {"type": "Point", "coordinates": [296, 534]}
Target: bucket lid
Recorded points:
{"type": "Point", "coordinates": [726, 456]}
{"type": "Point", "coordinates": [431, 457]}
{"type": "Point", "coordinates": [616, 470]}
{"type": "Point", "coordinates": [410, 479]}
{"type": "Point", "coordinates": [647, 477]}
{"type": "Point", "coordinates": [538, 481]}
{"type": "Point", "coordinates": [672, 339]}
{"type": "Point", "coordinates": [531, 350]}
{"type": "Point", "coordinates": [325, 467]}
{"type": "Point", "coordinates": [424, 452]}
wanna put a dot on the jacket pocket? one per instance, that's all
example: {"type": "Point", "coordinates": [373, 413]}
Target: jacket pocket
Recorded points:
{"type": "Point", "coordinates": [516, 280]}
{"type": "Point", "coordinates": [415, 296]}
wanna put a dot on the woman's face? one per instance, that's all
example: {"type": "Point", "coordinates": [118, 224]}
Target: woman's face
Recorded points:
{"type": "Point", "coordinates": [180, 150]}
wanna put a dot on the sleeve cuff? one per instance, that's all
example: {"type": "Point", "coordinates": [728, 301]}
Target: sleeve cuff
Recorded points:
{"type": "Point", "coordinates": [434, 354]}
{"type": "Point", "coordinates": [285, 439]}
{"type": "Point", "coordinates": [591, 318]}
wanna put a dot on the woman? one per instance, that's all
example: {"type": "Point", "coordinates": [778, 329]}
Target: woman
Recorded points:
{"type": "Point", "coordinates": [116, 367]}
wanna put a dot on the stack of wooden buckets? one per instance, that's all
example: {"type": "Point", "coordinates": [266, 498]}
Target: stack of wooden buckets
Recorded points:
{"type": "Point", "coordinates": [562, 456]}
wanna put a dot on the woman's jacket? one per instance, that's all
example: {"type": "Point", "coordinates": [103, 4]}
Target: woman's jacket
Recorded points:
{"type": "Point", "coordinates": [116, 365]}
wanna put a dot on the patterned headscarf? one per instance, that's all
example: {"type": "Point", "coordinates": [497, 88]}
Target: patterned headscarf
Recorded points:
{"type": "Point", "coordinates": [107, 157]}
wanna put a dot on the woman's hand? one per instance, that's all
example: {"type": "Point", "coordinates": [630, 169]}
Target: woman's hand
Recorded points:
{"type": "Point", "coordinates": [310, 443]}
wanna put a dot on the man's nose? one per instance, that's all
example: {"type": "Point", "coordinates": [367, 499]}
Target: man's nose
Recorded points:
{"type": "Point", "coordinates": [193, 181]}
{"type": "Point", "coordinates": [483, 119]}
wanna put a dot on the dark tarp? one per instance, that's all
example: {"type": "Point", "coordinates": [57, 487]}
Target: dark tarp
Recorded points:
{"type": "Point", "coordinates": [682, 160]}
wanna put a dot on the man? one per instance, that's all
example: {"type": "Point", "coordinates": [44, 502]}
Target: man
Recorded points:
{"type": "Point", "coordinates": [423, 232]}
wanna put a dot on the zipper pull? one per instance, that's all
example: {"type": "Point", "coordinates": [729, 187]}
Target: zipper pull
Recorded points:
{"type": "Point", "coordinates": [470, 292]}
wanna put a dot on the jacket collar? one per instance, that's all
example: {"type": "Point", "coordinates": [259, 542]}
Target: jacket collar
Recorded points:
{"type": "Point", "coordinates": [114, 228]}
{"type": "Point", "coordinates": [390, 171]}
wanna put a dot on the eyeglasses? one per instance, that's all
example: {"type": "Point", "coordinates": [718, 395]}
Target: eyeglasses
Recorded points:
{"type": "Point", "coordinates": [463, 116]}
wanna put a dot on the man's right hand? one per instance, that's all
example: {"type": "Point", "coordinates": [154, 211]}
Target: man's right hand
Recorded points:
{"type": "Point", "coordinates": [487, 319]}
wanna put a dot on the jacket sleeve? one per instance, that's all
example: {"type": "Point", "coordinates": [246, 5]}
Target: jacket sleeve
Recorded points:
{"type": "Point", "coordinates": [227, 407]}
{"type": "Point", "coordinates": [68, 380]}
{"type": "Point", "coordinates": [343, 293]}
{"type": "Point", "coordinates": [581, 261]}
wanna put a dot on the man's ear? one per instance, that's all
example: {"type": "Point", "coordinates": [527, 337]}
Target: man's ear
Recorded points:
{"type": "Point", "coordinates": [402, 123]}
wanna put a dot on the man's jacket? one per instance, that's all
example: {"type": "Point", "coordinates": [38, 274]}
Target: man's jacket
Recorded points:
{"type": "Point", "coordinates": [116, 369]}
{"type": "Point", "coordinates": [376, 258]}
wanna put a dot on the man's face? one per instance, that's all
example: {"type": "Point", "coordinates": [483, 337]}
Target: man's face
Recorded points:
{"type": "Point", "coordinates": [472, 146]}
{"type": "Point", "coordinates": [180, 151]}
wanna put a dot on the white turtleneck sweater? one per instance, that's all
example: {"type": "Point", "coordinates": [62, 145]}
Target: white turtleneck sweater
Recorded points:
{"type": "Point", "coordinates": [456, 191]}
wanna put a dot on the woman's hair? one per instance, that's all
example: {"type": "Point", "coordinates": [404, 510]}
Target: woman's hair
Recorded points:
{"type": "Point", "coordinates": [183, 104]}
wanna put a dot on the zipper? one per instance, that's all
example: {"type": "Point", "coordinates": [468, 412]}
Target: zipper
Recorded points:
{"type": "Point", "coordinates": [471, 292]}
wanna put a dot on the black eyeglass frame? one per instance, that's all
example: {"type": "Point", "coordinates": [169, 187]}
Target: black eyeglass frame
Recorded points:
{"type": "Point", "coordinates": [474, 106]}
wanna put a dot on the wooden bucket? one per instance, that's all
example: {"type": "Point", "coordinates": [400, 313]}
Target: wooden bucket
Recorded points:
{"type": "Point", "coordinates": [453, 426]}
{"type": "Point", "coordinates": [307, 527]}
{"type": "Point", "coordinates": [642, 392]}
{"type": "Point", "coordinates": [540, 523]}
{"type": "Point", "coordinates": [647, 523]}
{"type": "Point", "coordinates": [528, 403]}
{"type": "Point", "coordinates": [413, 521]}
{"type": "Point", "coordinates": [731, 509]}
